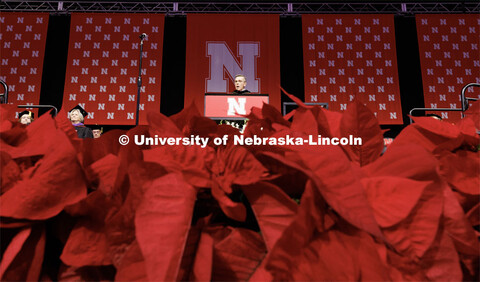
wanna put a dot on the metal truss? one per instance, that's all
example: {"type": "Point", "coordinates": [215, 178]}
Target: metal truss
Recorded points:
{"type": "Point", "coordinates": [281, 7]}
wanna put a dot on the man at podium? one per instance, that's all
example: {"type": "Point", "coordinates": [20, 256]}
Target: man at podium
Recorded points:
{"type": "Point", "coordinates": [231, 108]}
{"type": "Point", "coordinates": [240, 82]}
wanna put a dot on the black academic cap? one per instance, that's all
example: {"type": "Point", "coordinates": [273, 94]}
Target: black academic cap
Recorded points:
{"type": "Point", "coordinates": [96, 126]}
{"type": "Point", "coordinates": [31, 114]}
{"type": "Point", "coordinates": [82, 110]}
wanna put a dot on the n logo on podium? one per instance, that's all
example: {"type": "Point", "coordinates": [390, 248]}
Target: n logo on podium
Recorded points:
{"type": "Point", "coordinates": [235, 108]}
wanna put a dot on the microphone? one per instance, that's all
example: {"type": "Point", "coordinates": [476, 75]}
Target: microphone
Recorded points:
{"type": "Point", "coordinates": [143, 35]}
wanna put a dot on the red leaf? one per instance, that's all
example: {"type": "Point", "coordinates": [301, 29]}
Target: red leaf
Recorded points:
{"type": "Point", "coordinates": [328, 121]}
{"type": "Point", "coordinates": [202, 266]}
{"type": "Point", "coordinates": [93, 150]}
{"type": "Point", "coordinates": [255, 113]}
{"type": "Point", "coordinates": [261, 273]}
{"type": "Point", "coordinates": [473, 112]}
{"type": "Point", "coordinates": [336, 256]}
{"type": "Point", "coordinates": [127, 195]}
{"type": "Point", "coordinates": [132, 266]}
{"type": "Point", "coordinates": [403, 268]}
{"type": "Point", "coordinates": [233, 165]}
{"type": "Point", "coordinates": [65, 125]}
{"type": "Point", "coordinates": [457, 225]}
{"type": "Point", "coordinates": [183, 118]}
{"type": "Point", "coordinates": [10, 172]}
{"type": "Point", "coordinates": [12, 136]}
{"type": "Point", "coordinates": [270, 113]}
{"type": "Point", "coordinates": [190, 252]}
{"type": "Point", "coordinates": [437, 127]}
{"type": "Point", "coordinates": [430, 134]}
{"type": "Point", "coordinates": [304, 122]}
{"type": "Point", "coordinates": [338, 183]}
{"type": "Point", "coordinates": [232, 209]}
{"type": "Point", "coordinates": [295, 99]}
{"type": "Point", "coordinates": [162, 222]}
{"type": "Point", "coordinates": [359, 121]}
{"type": "Point", "coordinates": [87, 243]}
{"type": "Point", "coordinates": [191, 161]}
{"type": "Point", "coordinates": [393, 198]}
{"type": "Point", "coordinates": [39, 138]}
{"type": "Point", "coordinates": [7, 112]}
{"type": "Point", "coordinates": [407, 161]}
{"type": "Point", "coordinates": [311, 217]}
{"type": "Point", "coordinates": [273, 209]}
{"type": "Point", "coordinates": [441, 262]}
{"type": "Point", "coordinates": [469, 132]}
{"type": "Point", "coordinates": [334, 120]}
{"type": "Point", "coordinates": [162, 126]}
{"type": "Point", "coordinates": [85, 273]}
{"type": "Point", "coordinates": [37, 253]}
{"type": "Point", "coordinates": [473, 215]}
{"type": "Point", "coordinates": [13, 249]}
{"type": "Point", "coordinates": [105, 171]}
{"type": "Point", "coordinates": [414, 236]}
{"type": "Point", "coordinates": [289, 115]}
{"type": "Point", "coordinates": [28, 256]}
{"type": "Point", "coordinates": [289, 179]}
{"type": "Point", "coordinates": [47, 188]}
{"type": "Point", "coordinates": [461, 170]}
{"type": "Point", "coordinates": [236, 257]}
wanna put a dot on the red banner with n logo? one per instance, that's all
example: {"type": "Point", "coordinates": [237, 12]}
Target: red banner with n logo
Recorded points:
{"type": "Point", "coordinates": [103, 66]}
{"type": "Point", "coordinates": [22, 49]}
{"type": "Point", "coordinates": [348, 57]}
{"type": "Point", "coordinates": [450, 58]}
{"type": "Point", "coordinates": [222, 46]}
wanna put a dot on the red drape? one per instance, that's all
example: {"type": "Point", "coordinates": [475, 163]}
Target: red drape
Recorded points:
{"type": "Point", "coordinates": [22, 49]}
{"type": "Point", "coordinates": [222, 46]}
{"type": "Point", "coordinates": [450, 59]}
{"type": "Point", "coordinates": [348, 57]}
{"type": "Point", "coordinates": [103, 64]}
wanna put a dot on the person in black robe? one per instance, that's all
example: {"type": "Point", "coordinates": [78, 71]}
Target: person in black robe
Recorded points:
{"type": "Point", "coordinates": [26, 117]}
{"type": "Point", "coordinates": [240, 83]}
{"type": "Point", "coordinates": [97, 131]}
{"type": "Point", "coordinates": [77, 115]}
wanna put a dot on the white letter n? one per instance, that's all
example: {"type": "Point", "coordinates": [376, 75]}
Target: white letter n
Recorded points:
{"type": "Point", "coordinates": [234, 107]}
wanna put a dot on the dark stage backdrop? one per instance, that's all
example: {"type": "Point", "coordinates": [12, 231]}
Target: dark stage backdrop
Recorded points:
{"type": "Point", "coordinates": [174, 61]}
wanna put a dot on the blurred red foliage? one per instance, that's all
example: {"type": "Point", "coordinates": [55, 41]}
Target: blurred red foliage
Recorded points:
{"type": "Point", "coordinates": [95, 210]}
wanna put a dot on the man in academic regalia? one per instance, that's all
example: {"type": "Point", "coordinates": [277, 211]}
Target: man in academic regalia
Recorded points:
{"type": "Point", "coordinates": [26, 117]}
{"type": "Point", "coordinates": [77, 116]}
{"type": "Point", "coordinates": [240, 82]}
{"type": "Point", "coordinates": [97, 130]}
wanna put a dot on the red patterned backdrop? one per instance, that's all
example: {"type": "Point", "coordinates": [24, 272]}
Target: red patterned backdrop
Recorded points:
{"type": "Point", "coordinates": [349, 57]}
{"type": "Point", "coordinates": [221, 46]}
{"type": "Point", "coordinates": [22, 48]}
{"type": "Point", "coordinates": [102, 70]}
{"type": "Point", "coordinates": [450, 59]}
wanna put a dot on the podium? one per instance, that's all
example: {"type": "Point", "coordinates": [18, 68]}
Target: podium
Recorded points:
{"type": "Point", "coordinates": [226, 106]}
